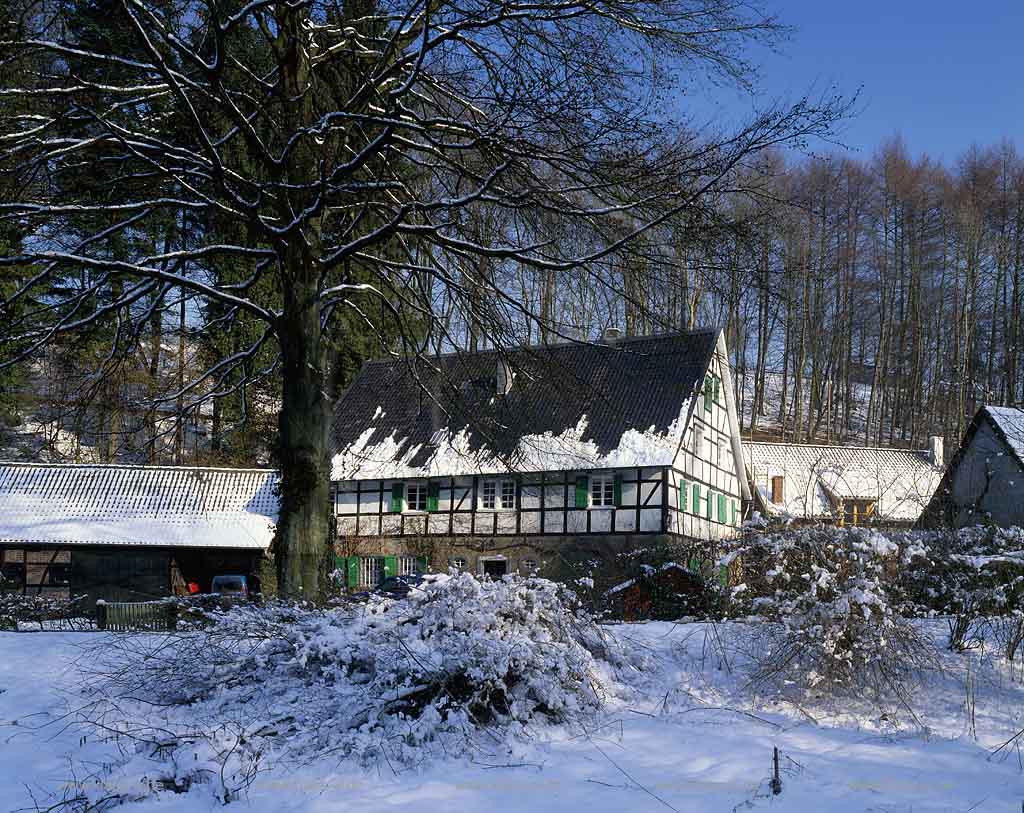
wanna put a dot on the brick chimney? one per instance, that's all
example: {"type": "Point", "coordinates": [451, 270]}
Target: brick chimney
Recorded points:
{"type": "Point", "coordinates": [611, 335]}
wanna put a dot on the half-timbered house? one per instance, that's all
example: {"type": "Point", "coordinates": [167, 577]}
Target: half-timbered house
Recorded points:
{"type": "Point", "coordinates": [532, 459]}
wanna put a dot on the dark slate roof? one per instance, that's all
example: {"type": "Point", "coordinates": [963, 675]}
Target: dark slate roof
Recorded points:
{"type": "Point", "coordinates": [632, 383]}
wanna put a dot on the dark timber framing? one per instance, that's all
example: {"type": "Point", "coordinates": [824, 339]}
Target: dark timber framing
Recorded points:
{"type": "Point", "coordinates": [650, 506]}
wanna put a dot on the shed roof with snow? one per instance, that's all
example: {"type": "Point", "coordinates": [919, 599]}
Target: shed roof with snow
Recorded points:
{"type": "Point", "coordinates": [137, 505]}
{"type": "Point", "coordinates": [573, 405]}
{"type": "Point", "coordinates": [815, 479]}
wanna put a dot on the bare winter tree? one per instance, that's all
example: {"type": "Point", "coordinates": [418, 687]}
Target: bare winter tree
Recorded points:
{"type": "Point", "coordinates": [352, 162]}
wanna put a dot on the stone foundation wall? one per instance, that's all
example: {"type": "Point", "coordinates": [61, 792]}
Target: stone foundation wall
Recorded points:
{"type": "Point", "coordinates": [562, 558]}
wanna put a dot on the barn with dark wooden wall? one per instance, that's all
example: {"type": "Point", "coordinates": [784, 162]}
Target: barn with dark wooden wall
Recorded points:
{"type": "Point", "coordinates": [130, 533]}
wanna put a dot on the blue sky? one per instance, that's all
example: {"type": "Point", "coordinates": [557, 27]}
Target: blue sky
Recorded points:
{"type": "Point", "coordinates": [942, 74]}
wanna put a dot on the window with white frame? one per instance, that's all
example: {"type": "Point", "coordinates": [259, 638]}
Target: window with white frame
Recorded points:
{"type": "Point", "coordinates": [489, 494]}
{"type": "Point", "coordinates": [371, 571]}
{"type": "Point", "coordinates": [698, 441]}
{"type": "Point", "coordinates": [416, 496]}
{"type": "Point", "coordinates": [602, 492]}
{"type": "Point", "coordinates": [498, 494]}
{"type": "Point", "coordinates": [408, 566]}
{"type": "Point", "coordinates": [528, 566]}
{"type": "Point", "coordinates": [457, 562]}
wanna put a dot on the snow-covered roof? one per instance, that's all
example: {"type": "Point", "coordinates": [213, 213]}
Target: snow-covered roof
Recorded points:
{"type": "Point", "coordinates": [577, 405]}
{"type": "Point", "coordinates": [899, 481]}
{"type": "Point", "coordinates": [137, 505]}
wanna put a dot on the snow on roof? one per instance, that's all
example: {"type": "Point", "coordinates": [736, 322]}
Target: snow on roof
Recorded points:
{"type": "Point", "coordinates": [570, 406]}
{"type": "Point", "coordinates": [1009, 421]}
{"type": "Point", "coordinates": [137, 505]}
{"type": "Point", "coordinates": [899, 481]}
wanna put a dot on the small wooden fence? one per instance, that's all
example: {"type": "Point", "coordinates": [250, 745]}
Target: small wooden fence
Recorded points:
{"type": "Point", "coordinates": [136, 616]}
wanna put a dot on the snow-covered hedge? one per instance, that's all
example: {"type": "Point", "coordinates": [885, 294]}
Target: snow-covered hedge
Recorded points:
{"type": "Point", "coordinates": [828, 596]}
{"type": "Point", "coordinates": [18, 611]}
{"type": "Point", "coordinates": [389, 681]}
{"type": "Point", "coordinates": [974, 576]}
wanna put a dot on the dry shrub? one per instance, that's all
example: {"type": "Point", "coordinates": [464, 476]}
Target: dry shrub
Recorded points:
{"type": "Point", "coordinates": [825, 600]}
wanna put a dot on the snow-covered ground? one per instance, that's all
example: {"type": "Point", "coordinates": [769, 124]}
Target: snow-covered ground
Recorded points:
{"type": "Point", "coordinates": [680, 735]}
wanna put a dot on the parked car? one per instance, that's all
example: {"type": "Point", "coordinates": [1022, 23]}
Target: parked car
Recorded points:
{"type": "Point", "coordinates": [231, 586]}
{"type": "Point", "coordinates": [394, 587]}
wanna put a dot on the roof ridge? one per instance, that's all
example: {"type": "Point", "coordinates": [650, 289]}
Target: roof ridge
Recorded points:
{"type": "Point", "coordinates": [136, 466]}
{"type": "Point", "coordinates": [834, 446]}
{"type": "Point", "coordinates": [555, 346]}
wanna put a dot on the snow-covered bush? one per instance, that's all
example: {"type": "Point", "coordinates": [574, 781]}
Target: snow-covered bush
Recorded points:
{"type": "Point", "coordinates": [825, 597]}
{"type": "Point", "coordinates": [17, 610]}
{"type": "Point", "coordinates": [395, 681]}
{"type": "Point", "coordinates": [975, 576]}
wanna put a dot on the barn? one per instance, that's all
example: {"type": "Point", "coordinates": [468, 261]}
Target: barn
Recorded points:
{"type": "Point", "coordinates": [984, 483]}
{"type": "Point", "coordinates": [843, 485]}
{"type": "Point", "coordinates": [130, 533]}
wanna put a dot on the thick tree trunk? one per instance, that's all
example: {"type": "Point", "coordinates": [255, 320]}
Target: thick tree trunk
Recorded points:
{"type": "Point", "coordinates": [303, 545]}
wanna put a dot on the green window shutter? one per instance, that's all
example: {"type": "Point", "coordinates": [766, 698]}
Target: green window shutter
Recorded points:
{"type": "Point", "coordinates": [733, 511]}
{"type": "Point", "coordinates": [723, 513]}
{"type": "Point", "coordinates": [707, 394]}
{"type": "Point", "coordinates": [422, 564]}
{"type": "Point", "coordinates": [341, 566]}
{"type": "Point", "coordinates": [353, 571]}
{"type": "Point", "coordinates": [397, 497]}
{"type": "Point", "coordinates": [390, 566]}
{"type": "Point", "coordinates": [683, 488]}
{"type": "Point", "coordinates": [433, 494]}
{"type": "Point", "coordinates": [718, 388]}
{"type": "Point", "coordinates": [582, 491]}
{"type": "Point", "coordinates": [696, 498]}
{"type": "Point", "coordinates": [617, 489]}
{"type": "Point", "coordinates": [707, 511]}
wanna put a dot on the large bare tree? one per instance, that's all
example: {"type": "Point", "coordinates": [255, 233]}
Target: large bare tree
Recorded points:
{"type": "Point", "coordinates": [357, 160]}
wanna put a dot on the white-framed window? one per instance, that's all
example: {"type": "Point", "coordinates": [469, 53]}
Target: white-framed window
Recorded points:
{"type": "Point", "coordinates": [408, 566]}
{"type": "Point", "coordinates": [371, 571]}
{"type": "Point", "coordinates": [457, 562]}
{"type": "Point", "coordinates": [602, 492]}
{"type": "Point", "coordinates": [698, 441]}
{"type": "Point", "coordinates": [488, 494]}
{"type": "Point", "coordinates": [416, 496]}
{"type": "Point", "coordinates": [508, 494]}
{"type": "Point", "coordinates": [498, 495]}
